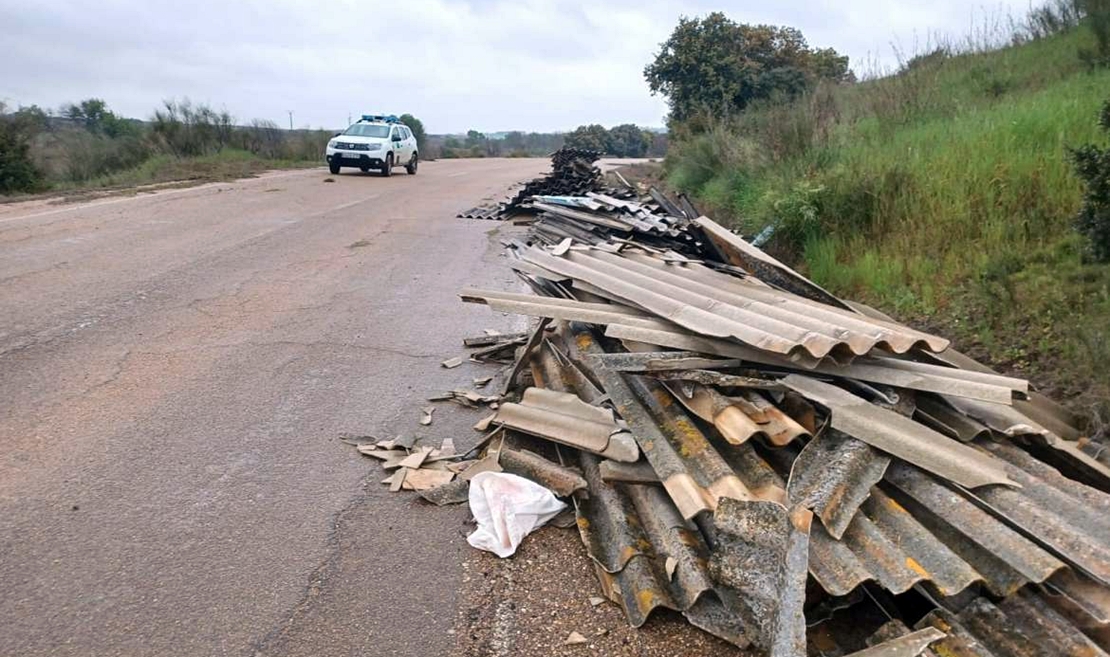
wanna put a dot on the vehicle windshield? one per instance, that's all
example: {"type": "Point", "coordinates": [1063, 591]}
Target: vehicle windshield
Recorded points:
{"type": "Point", "coordinates": [367, 130]}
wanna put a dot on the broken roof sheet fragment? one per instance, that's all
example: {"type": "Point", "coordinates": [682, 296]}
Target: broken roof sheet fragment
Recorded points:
{"type": "Point", "coordinates": [742, 254]}
{"type": "Point", "coordinates": [564, 418]}
{"type": "Point", "coordinates": [720, 411]}
{"type": "Point", "coordinates": [762, 552]}
{"type": "Point", "coordinates": [559, 479]}
{"type": "Point", "coordinates": [908, 645]}
{"type": "Point", "coordinates": [639, 472]}
{"type": "Point", "coordinates": [833, 475]}
{"type": "Point", "coordinates": [901, 437]}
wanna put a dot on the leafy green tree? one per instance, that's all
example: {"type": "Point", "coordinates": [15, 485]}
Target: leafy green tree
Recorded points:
{"type": "Point", "coordinates": [628, 141]}
{"type": "Point", "coordinates": [717, 65]}
{"type": "Point", "coordinates": [18, 172]}
{"type": "Point", "coordinates": [474, 138]}
{"type": "Point", "coordinates": [98, 119]}
{"type": "Point", "coordinates": [592, 137]}
{"type": "Point", "coordinates": [417, 127]}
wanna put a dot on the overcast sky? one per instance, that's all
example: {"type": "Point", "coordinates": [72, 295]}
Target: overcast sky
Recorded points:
{"type": "Point", "coordinates": [457, 64]}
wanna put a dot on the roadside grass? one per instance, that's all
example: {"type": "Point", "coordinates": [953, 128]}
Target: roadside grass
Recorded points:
{"type": "Point", "coordinates": [228, 164]}
{"type": "Point", "coordinates": [942, 195]}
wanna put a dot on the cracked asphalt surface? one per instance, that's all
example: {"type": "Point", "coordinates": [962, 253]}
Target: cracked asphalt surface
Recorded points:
{"type": "Point", "coordinates": [174, 370]}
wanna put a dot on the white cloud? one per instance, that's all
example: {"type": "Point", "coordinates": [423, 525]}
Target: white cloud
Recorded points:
{"type": "Point", "coordinates": [457, 64]}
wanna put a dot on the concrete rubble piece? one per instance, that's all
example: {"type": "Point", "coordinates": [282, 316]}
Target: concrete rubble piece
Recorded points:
{"type": "Point", "coordinates": [794, 473]}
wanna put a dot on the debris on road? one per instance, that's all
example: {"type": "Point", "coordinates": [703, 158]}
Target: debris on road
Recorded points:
{"type": "Point", "coordinates": [573, 177]}
{"type": "Point", "coordinates": [781, 467]}
{"type": "Point", "coordinates": [451, 363]}
{"type": "Point", "coordinates": [575, 639]}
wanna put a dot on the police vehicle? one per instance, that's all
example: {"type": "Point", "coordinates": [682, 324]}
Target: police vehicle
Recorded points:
{"type": "Point", "coordinates": [374, 142]}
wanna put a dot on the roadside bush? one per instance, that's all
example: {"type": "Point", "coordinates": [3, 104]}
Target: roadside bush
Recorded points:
{"type": "Point", "coordinates": [1092, 164]}
{"type": "Point", "coordinates": [185, 129]}
{"type": "Point", "coordinates": [17, 172]}
{"type": "Point", "coordinates": [93, 155]}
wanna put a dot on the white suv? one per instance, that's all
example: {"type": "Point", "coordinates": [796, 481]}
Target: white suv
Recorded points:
{"type": "Point", "coordinates": [375, 142]}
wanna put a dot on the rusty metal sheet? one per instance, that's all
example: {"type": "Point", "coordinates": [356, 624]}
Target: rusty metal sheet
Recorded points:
{"type": "Point", "coordinates": [766, 319]}
{"type": "Point", "coordinates": [762, 552]}
{"type": "Point", "coordinates": [564, 418]}
{"type": "Point", "coordinates": [833, 475]}
{"type": "Point", "coordinates": [558, 479]}
{"type": "Point", "coordinates": [909, 645]}
{"type": "Point", "coordinates": [901, 437]}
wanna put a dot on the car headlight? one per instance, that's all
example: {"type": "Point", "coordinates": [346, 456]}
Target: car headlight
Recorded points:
{"type": "Point", "coordinates": [373, 147]}
{"type": "Point", "coordinates": [331, 143]}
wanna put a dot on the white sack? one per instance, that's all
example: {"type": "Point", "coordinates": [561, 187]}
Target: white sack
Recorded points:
{"type": "Point", "coordinates": [508, 508]}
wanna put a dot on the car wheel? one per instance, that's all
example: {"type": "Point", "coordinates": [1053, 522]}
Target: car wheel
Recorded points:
{"type": "Point", "coordinates": [364, 168]}
{"type": "Point", "coordinates": [413, 163]}
{"type": "Point", "coordinates": [387, 168]}
{"type": "Point", "coordinates": [333, 166]}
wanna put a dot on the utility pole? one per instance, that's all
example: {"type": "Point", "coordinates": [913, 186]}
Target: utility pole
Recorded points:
{"type": "Point", "coordinates": [348, 118]}
{"type": "Point", "coordinates": [290, 119]}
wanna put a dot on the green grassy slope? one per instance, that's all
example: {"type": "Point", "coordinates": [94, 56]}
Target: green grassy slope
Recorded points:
{"type": "Point", "coordinates": [943, 196]}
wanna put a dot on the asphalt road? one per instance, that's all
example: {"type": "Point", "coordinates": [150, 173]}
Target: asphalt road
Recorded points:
{"type": "Point", "coordinates": [174, 370]}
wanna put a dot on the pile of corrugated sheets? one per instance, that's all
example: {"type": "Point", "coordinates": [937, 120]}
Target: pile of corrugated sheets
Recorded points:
{"type": "Point", "coordinates": [790, 471]}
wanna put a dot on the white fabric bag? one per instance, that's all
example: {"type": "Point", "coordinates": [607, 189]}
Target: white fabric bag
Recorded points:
{"type": "Point", "coordinates": [508, 508]}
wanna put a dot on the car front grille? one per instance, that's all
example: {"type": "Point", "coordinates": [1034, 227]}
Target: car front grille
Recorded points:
{"type": "Point", "coordinates": [347, 146]}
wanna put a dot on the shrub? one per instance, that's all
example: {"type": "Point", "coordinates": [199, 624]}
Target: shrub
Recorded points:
{"type": "Point", "coordinates": [1092, 164]}
{"type": "Point", "coordinates": [186, 129]}
{"type": "Point", "coordinates": [17, 172]}
{"type": "Point", "coordinates": [91, 155]}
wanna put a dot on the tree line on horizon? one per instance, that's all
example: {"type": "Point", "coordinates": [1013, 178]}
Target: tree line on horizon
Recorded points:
{"type": "Point", "coordinates": [625, 140]}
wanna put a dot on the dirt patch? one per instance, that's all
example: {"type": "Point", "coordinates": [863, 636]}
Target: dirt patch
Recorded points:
{"type": "Point", "coordinates": [530, 603]}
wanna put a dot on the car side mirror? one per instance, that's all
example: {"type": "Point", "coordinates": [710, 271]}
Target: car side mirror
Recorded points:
{"type": "Point", "coordinates": [396, 137]}
{"type": "Point", "coordinates": [337, 134]}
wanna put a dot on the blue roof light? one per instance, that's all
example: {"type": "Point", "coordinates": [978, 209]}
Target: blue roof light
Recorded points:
{"type": "Point", "coordinates": [381, 118]}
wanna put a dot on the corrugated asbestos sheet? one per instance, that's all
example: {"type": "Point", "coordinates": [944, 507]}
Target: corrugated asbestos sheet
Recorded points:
{"type": "Point", "coordinates": [791, 472]}
{"type": "Point", "coordinates": [766, 319]}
